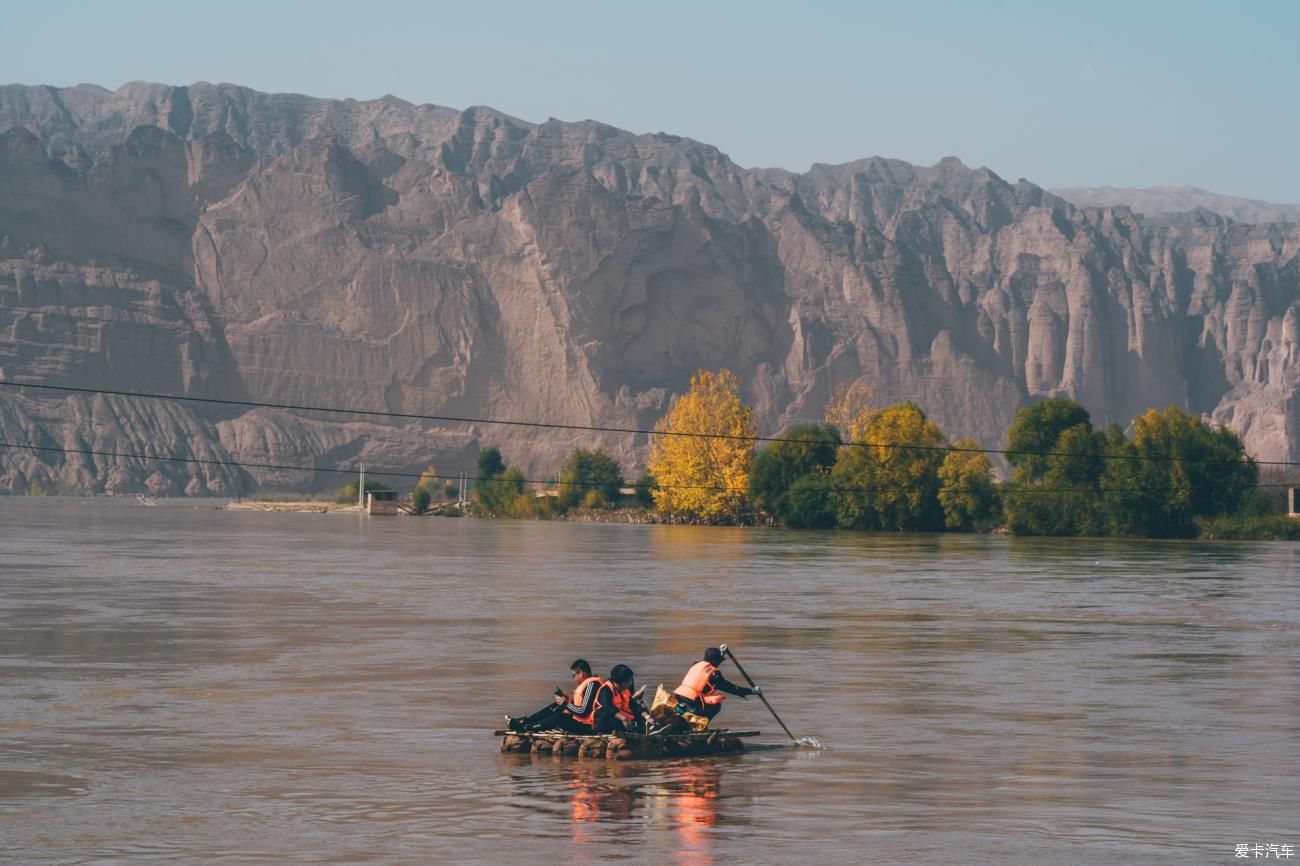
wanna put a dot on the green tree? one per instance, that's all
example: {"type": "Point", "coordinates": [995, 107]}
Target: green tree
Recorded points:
{"type": "Point", "coordinates": [967, 492]}
{"type": "Point", "coordinates": [588, 471]}
{"type": "Point", "coordinates": [853, 481]}
{"type": "Point", "coordinates": [498, 494]}
{"type": "Point", "coordinates": [1125, 507]}
{"type": "Point", "coordinates": [1055, 486]}
{"type": "Point", "coordinates": [490, 465]}
{"type": "Point", "coordinates": [804, 449]}
{"type": "Point", "coordinates": [1037, 430]}
{"type": "Point", "coordinates": [809, 503]}
{"type": "Point", "coordinates": [1175, 470]}
{"type": "Point", "coordinates": [892, 481]}
{"type": "Point", "coordinates": [644, 495]}
{"type": "Point", "coordinates": [424, 489]}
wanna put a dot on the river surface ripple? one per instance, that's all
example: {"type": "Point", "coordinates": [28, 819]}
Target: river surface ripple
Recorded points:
{"type": "Point", "coordinates": [183, 684]}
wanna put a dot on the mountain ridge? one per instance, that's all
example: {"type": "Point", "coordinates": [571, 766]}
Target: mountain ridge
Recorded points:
{"type": "Point", "coordinates": [422, 259]}
{"type": "Point", "coordinates": [1160, 200]}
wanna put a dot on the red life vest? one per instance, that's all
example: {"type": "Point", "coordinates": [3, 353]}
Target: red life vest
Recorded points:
{"type": "Point", "coordinates": [580, 692]}
{"type": "Point", "coordinates": [696, 686]}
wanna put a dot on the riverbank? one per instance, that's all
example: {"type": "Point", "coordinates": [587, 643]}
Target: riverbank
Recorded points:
{"type": "Point", "coordinates": [648, 516]}
{"type": "Point", "coordinates": [1275, 527]}
{"type": "Point", "coordinates": [1271, 528]}
{"type": "Point", "coordinates": [305, 506]}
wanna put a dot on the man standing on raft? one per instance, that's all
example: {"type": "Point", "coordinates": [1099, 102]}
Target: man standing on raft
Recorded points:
{"type": "Point", "coordinates": [702, 687]}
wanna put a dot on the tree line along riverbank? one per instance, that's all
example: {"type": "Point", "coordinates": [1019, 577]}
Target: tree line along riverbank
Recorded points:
{"type": "Point", "coordinates": [893, 469]}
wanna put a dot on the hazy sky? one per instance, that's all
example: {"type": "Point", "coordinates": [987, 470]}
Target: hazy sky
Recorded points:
{"type": "Point", "coordinates": [1133, 93]}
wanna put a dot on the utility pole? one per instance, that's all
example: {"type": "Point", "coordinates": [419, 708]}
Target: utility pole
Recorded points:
{"type": "Point", "coordinates": [361, 488]}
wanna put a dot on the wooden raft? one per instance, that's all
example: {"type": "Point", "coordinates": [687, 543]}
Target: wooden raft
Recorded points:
{"type": "Point", "coordinates": [624, 747]}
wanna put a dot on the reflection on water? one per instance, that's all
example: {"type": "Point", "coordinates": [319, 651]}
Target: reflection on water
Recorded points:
{"type": "Point", "coordinates": [672, 807]}
{"type": "Point", "coordinates": [693, 806]}
{"type": "Point", "coordinates": [190, 685]}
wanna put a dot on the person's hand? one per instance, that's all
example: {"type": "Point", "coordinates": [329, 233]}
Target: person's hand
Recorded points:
{"type": "Point", "coordinates": [758, 691]}
{"type": "Point", "coordinates": [559, 699]}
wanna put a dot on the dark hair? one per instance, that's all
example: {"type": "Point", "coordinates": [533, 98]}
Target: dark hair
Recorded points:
{"type": "Point", "coordinates": [581, 665]}
{"type": "Point", "coordinates": [713, 656]}
{"type": "Point", "coordinates": [620, 674]}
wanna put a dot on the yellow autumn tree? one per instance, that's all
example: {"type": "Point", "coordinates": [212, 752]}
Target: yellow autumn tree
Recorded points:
{"type": "Point", "coordinates": [706, 475]}
{"type": "Point", "coordinates": [891, 480]}
{"type": "Point", "coordinates": [850, 411]}
{"type": "Point", "coordinates": [967, 492]}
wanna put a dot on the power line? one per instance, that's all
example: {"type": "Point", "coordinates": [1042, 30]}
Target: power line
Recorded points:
{"type": "Point", "coordinates": [550, 425]}
{"type": "Point", "coordinates": [241, 464]}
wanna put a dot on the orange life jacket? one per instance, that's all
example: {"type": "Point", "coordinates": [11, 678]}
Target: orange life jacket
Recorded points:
{"type": "Point", "coordinates": [622, 701]}
{"type": "Point", "coordinates": [696, 686]}
{"type": "Point", "coordinates": [580, 692]}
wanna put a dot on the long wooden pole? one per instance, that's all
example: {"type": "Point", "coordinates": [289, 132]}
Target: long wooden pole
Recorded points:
{"type": "Point", "coordinates": [761, 697]}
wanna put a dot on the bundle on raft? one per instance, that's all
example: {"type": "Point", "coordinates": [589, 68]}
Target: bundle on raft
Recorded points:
{"type": "Point", "coordinates": [627, 746]}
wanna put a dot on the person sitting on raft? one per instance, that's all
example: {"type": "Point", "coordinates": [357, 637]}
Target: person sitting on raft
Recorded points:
{"type": "Point", "coordinates": [573, 715]}
{"type": "Point", "coordinates": [701, 688]}
{"type": "Point", "coordinates": [617, 706]}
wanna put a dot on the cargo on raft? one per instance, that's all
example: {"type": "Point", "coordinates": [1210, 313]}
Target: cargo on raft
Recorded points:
{"type": "Point", "coordinates": [625, 746]}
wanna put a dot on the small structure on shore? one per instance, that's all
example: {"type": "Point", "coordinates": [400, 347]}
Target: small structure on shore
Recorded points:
{"type": "Point", "coordinates": [1293, 502]}
{"type": "Point", "coordinates": [381, 502]}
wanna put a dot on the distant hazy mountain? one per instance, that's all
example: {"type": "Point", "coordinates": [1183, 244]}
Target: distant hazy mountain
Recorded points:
{"type": "Point", "coordinates": [1154, 200]}
{"type": "Point", "coordinates": [215, 241]}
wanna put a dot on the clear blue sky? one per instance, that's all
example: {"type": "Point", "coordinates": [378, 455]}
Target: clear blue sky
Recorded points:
{"type": "Point", "coordinates": [1063, 93]}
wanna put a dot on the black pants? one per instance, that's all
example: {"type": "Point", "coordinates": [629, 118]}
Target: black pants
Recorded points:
{"type": "Point", "coordinates": [700, 708]}
{"type": "Point", "coordinates": [553, 716]}
{"type": "Point", "coordinates": [609, 725]}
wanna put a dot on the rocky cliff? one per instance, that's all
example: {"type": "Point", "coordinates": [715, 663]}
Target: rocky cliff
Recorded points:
{"type": "Point", "coordinates": [214, 241]}
{"type": "Point", "coordinates": [1157, 200]}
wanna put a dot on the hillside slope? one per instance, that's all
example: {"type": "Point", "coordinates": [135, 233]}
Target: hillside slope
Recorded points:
{"type": "Point", "coordinates": [215, 241]}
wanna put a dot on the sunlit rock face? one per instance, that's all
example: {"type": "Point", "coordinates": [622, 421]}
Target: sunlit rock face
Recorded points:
{"type": "Point", "coordinates": [215, 241]}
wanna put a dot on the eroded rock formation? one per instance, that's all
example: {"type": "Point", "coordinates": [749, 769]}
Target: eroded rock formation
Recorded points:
{"type": "Point", "coordinates": [215, 241]}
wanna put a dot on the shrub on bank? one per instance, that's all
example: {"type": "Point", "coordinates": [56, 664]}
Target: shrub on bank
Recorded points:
{"type": "Point", "coordinates": [348, 492]}
{"type": "Point", "coordinates": [589, 478]}
{"type": "Point", "coordinates": [1268, 528]}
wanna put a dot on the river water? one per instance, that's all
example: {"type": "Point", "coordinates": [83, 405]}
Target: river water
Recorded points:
{"type": "Point", "coordinates": [184, 684]}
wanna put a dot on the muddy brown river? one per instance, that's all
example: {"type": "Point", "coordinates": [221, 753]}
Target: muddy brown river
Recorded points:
{"type": "Point", "coordinates": [183, 684]}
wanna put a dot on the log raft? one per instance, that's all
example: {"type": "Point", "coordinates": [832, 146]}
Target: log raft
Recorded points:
{"type": "Point", "coordinates": [625, 747]}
